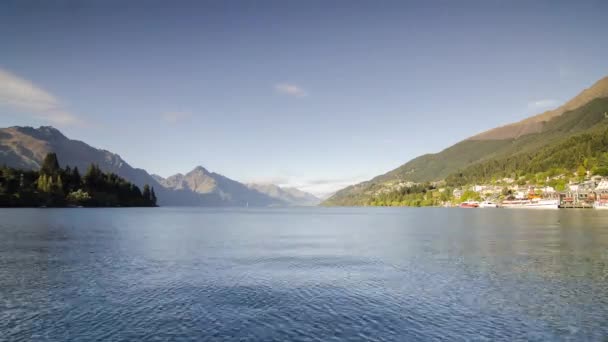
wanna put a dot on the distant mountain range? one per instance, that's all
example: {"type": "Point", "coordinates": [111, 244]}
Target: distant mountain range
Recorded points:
{"type": "Point", "coordinates": [293, 196]}
{"type": "Point", "coordinates": [26, 147]}
{"type": "Point", "coordinates": [226, 190]}
{"type": "Point", "coordinates": [550, 139]}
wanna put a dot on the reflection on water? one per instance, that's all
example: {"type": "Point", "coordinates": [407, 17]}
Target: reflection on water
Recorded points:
{"type": "Point", "coordinates": [303, 274]}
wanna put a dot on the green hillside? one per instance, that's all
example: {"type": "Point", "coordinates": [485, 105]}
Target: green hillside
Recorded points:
{"type": "Point", "coordinates": [576, 138]}
{"type": "Point", "coordinates": [564, 142]}
{"type": "Point", "coordinates": [430, 167]}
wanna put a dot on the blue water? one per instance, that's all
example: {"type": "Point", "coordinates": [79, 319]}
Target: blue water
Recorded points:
{"type": "Point", "coordinates": [305, 274]}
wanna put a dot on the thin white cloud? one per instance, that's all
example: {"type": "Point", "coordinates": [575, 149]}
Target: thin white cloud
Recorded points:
{"type": "Point", "coordinates": [32, 100]}
{"type": "Point", "coordinates": [278, 180]}
{"type": "Point", "coordinates": [174, 117]}
{"type": "Point", "coordinates": [290, 89]}
{"type": "Point", "coordinates": [543, 104]}
{"type": "Point", "coordinates": [323, 188]}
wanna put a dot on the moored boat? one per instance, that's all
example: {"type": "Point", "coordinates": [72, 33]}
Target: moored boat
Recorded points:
{"type": "Point", "coordinates": [488, 204]}
{"type": "Point", "coordinates": [601, 204]}
{"type": "Point", "coordinates": [542, 204]}
{"type": "Point", "coordinates": [535, 203]}
{"type": "Point", "coordinates": [469, 204]}
{"type": "Point", "coordinates": [518, 203]}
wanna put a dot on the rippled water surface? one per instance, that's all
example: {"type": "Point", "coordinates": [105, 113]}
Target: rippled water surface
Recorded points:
{"type": "Point", "coordinates": [309, 274]}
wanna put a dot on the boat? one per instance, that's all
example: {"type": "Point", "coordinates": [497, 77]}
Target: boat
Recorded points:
{"type": "Point", "coordinates": [601, 201]}
{"type": "Point", "coordinates": [538, 203]}
{"type": "Point", "coordinates": [488, 204]}
{"type": "Point", "coordinates": [518, 203]}
{"type": "Point", "coordinates": [601, 204]}
{"type": "Point", "coordinates": [535, 203]}
{"type": "Point", "coordinates": [469, 204]}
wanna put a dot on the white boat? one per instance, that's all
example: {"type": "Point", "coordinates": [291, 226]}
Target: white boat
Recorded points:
{"type": "Point", "coordinates": [488, 204]}
{"type": "Point", "coordinates": [538, 203]}
{"type": "Point", "coordinates": [601, 204]}
{"type": "Point", "coordinates": [535, 203]}
{"type": "Point", "coordinates": [518, 203]}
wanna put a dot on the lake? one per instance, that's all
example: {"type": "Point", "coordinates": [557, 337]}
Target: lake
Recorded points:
{"type": "Point", "coordinates": [303, 274]}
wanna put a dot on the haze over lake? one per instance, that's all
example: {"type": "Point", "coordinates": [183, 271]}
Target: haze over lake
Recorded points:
{"type": "Point", "coordinates": [302, 274]}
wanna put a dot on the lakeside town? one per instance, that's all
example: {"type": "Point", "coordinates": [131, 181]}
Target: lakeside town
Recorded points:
{"type": "Point", "coordinates": [555, 189]}
{"type": "Point", "coordinates": [589, 194]}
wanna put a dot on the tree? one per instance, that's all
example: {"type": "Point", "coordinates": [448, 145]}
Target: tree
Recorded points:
{"type": "Point", "coordinates": [601, 171]}
{"type": "Point", "coordinates": [153, 196]}
{"type": "Point", "coordinates": [93, 177]}
{"type": "Point", "coordinates": [146, 193]}
{"type": "Point", "coordinates": [50, 164]}
{"type": "Point", "coordinates": [76, 175]}
{"type": "Point", "coordinates": [581, 172]}
{"type": "Point", "coordinates": [603, 160]}
{"type": "Point", "coordinates": [49, 184]}
{"type": "Point", "coordinates": [470, 195]}
{"type": "Point", "coordinates": [41, 183]}
{"type": "Point", "coordinates": [59, 185]}
{"type": "Point", "coordinates": [79, 197]}
{"type": "Point", "coordinates": [72, 180]}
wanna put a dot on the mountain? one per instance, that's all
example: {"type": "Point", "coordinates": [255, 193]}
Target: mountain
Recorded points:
{"type": "Point", "coordinates": [584, 114]}
{"type": "Point", "coordinates": [26, 147]}
{"type": "Point", "coordinates": [289, 196]}
{"type": "Point", "coordinates": [215, 188]}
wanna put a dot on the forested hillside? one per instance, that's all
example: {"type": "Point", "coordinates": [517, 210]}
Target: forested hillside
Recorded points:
{"type": "Point", "coordinates": [53, 186]}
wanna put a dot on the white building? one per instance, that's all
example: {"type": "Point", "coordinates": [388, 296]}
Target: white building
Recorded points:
{"type": "Point", "coordinates": [573, 187]}
{"type": "Point", "coordinates": [548, 190]}
{"type": "Point", "coordinates": [602, 186]}
{"type": "Point", "coordinates": [479, 188]}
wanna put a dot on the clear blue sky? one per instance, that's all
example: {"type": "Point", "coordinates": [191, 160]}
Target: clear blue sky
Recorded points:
{"type": "Point", "coordinates": [310, 93]}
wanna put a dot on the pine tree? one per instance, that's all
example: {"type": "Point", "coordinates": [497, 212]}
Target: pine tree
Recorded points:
{"type": "Point", "coordinates": [75, 178]}
{"type": "Point", "coordinates": [41, 183]}
{"type": "Point", "coordinates": [49, 184]}
{"type": "Point", "coordinates": [153, 196]}
{"type": "Point", "coordinates": [146, 193]}
{"type": "Point", "coordinates": [93, 177]}
{"type": "Point", "coordinates": [581, 172]}
{"type": "Point", "coordinates": [59, 185]}
{"type": "Point", "coordinates": [50, 165]}
{"type": "Point", "coordinates": [603, 160]}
